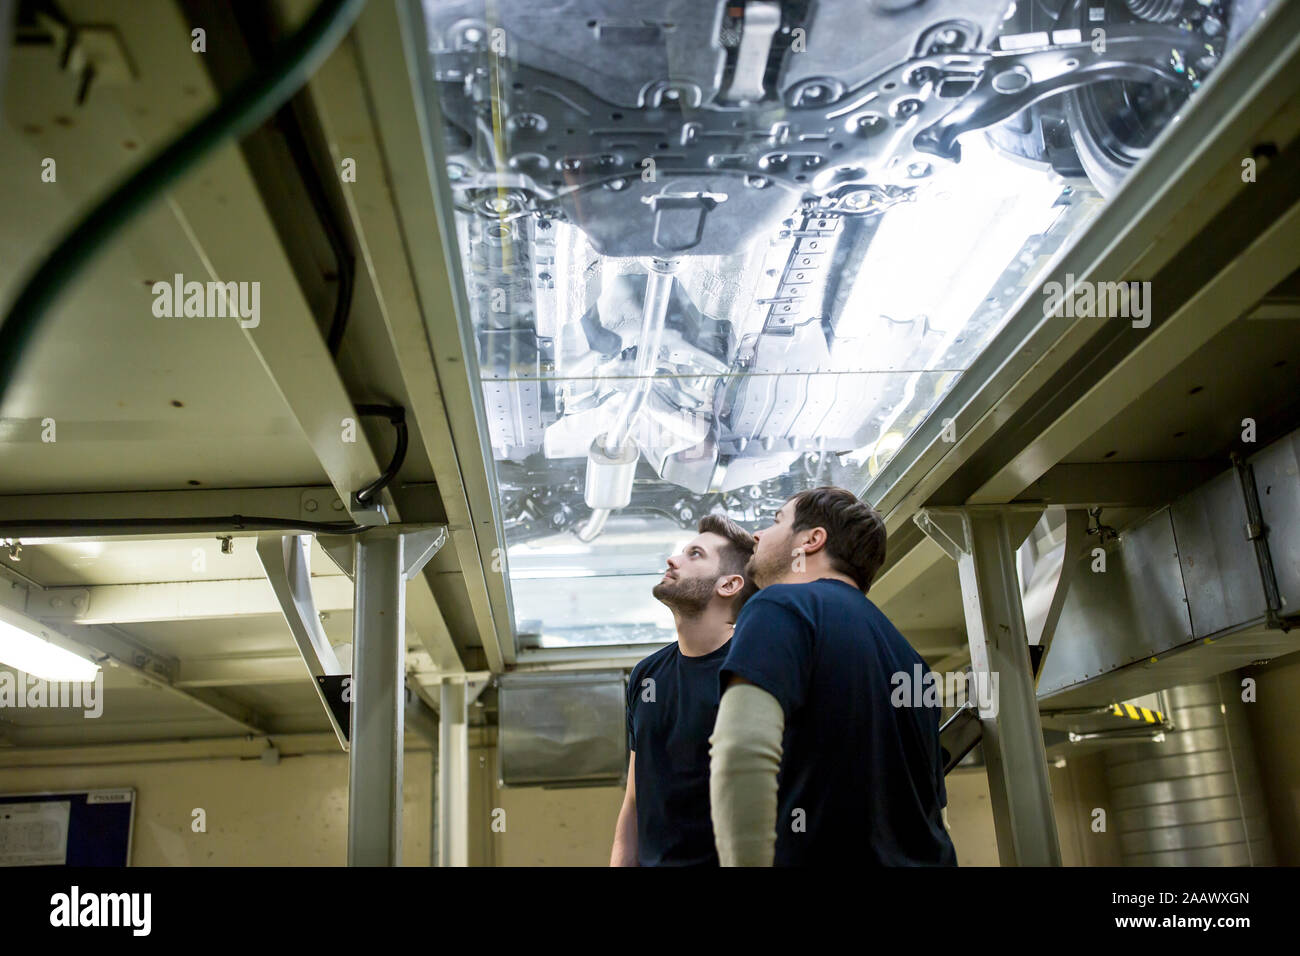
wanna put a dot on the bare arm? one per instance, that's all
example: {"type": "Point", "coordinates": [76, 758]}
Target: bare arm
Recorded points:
{"type": "Point", "coordinates": [624, 852]}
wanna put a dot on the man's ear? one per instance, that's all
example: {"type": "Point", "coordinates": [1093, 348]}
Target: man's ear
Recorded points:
{"type": "Point", "coordinates": [814, 541]}
{"type": "Point", "coordinates": [730, 585]}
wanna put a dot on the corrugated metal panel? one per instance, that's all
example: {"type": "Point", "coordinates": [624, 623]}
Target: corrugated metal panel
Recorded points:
{"type": "Point", "coordinates": [1193, 799]}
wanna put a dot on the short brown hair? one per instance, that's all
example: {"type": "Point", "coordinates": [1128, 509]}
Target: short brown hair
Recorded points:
{"type": "Point", "coordinates": [733, 558]}
{"type": "Point", "coordinates": [855, 532]}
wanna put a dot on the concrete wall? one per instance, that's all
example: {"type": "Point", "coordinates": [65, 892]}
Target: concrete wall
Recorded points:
{"type": "Point", "coordinates": [569, 827]}
{"type": "Point", "coordinates": [294, 813]}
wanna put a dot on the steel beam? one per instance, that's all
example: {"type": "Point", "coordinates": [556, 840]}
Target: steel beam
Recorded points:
{"type": "Point", "coordinates": [1264, 263]}
{"type": "Point", "coordinates": [239, 670]}
{"type": "Point", "coordinates": [904, 571]}
{"type": "Point", "coordinates": [180, 601]}
{"type": "Point", "coordinates": [983, 542]}
{"type": "Point", "coordinates": [453, 775]}
{"type": "Point", "coordinates": [283, 503]}
{"type": "Point", "coordinates": [378, 703]}
{"type": "Point", "coordinates": [296, 358]}
{"type": "Point", "coordinates": [287, 561]}
{"type": "Point", "coordinates": [242, 747]}
{"type": "Point", "coordinates": [365, 103]}
{"type": "Point", "coordinates": [1117, 484]}
{"type": "Point", "coordinates": [383, 702]}
{"type": "Point", "coordinates": [374, 103]}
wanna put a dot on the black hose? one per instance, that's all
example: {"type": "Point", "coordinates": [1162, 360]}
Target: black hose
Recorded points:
{"type": "Point", "coordinates": [397, 415]}
{"type": "Point", "coordinates": [252, 21]}
{"type": "Point", "coordinates": [243, 110]}
{"type": "Point", "coordinates": [32, 528]}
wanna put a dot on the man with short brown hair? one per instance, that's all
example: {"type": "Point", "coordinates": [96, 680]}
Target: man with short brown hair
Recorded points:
{"type": "Point", "coordinates": [812, 762]}
{"type": "Point", "coordinates": [672, 700]}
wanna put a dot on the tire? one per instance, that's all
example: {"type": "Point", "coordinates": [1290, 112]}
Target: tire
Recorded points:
{"type": "Point", "coordinates": [1113, 123]}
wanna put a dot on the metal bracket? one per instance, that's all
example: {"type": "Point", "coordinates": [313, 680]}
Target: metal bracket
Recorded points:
{"type": "Point", "coordinates": [1076, 532]}
{"type": "Point", "coordinates": [949, 526]}
{"type": "Point", "coordinates": [1257, 534]}
{"type": "Point", "coordinates": [286, 559]}
{"type": "Point", "coordinates": [419, 546]}
{"type": "Point", "coordinates": [422, 542]}
{"type": "Point", "coordinates": [1007, 82]}
{"type": "Point", "coordinates": [368, 512]}
{"type": "Point", "coordinates": [339, 549]}
{"type": "Point", "coordinates": [944, 529]}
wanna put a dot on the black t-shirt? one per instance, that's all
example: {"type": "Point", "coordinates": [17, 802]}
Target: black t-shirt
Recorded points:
{"type": "Point", "coordinates": [861, 780]}
{"type": "Point", "coordinates": [672, 703]}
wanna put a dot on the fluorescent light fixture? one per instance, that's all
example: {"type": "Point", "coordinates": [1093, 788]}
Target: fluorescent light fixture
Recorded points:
{"type": "Point", "coordinates": [34, 655]}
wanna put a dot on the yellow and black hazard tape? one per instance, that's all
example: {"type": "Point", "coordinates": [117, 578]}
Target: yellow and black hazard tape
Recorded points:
{"type": "Point", "coordinates": [1137, 713]}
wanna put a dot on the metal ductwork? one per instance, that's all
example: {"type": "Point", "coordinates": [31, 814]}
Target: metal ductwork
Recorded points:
{"type": "Point", "coordinates": [562, 730]}
{"type": "Point", "coordinates": [1209, 583]}
{"type": "Point", "coordinates": [1193, 799]}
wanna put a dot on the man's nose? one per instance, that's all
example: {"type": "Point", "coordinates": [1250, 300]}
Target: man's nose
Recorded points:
{"type": "Point", "coordinates": [673, 562]}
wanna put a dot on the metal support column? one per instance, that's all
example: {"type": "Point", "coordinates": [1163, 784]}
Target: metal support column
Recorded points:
{"type": "Point", "coordinates": [453, 775]}
{"type": "Point", "coordinates": [384, 560]}
{"type": "Point", "coordinates": [983, 542]}
{"type": "Point", "coordinates": [378, 704]}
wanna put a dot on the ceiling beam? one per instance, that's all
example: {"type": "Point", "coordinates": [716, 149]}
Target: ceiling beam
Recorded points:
{"type": "Point", "coordinates": [289, 344]}
{"type": "Point", "coordinates": [1270, 258]}
{"type": "Point", "coordinates": [1117, 484]}
{"type": "Point", "coordinates": [241, 670]}
{"type": "Point", "coordinates": [364, 97]}
{"type": "Point", "coordinates": [178, 601]}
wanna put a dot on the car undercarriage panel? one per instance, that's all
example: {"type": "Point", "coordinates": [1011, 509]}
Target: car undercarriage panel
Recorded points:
{"type": "Point", "coordinates": [716, 253]}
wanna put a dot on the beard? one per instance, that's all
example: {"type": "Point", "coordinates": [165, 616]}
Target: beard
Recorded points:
{"type": "Point", "coordinates": [768, 568]}
{"type": "Point", "coordinates": [686, 596]}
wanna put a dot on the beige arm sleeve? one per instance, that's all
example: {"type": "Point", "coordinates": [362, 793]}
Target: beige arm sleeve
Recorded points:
{"type": "Point", "coordinates": [745, 752]}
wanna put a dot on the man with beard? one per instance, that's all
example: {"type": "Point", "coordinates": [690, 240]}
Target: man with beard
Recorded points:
{"type": "Point", "coordinates": [672, 700]}
{"type": "Point", "coordinates": [811, 761]}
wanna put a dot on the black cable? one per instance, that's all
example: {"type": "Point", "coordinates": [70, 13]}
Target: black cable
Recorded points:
{"type": "Point", "coordinates": [397, 415]}
{"type": "Point", "coordinates": [252, 21]}
{"type": "Point", "coordinates": [31, 528]}
{"type": "Point", "coordinates": [243, 110]}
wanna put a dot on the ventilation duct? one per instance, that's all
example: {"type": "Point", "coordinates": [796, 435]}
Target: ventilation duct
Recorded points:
{"type": "Point", "coordinates": [562, 730]}
{"type": "Point", "coordinates": [1204, 585]}
{"type": "Point", "coordinates": [1193, 799]}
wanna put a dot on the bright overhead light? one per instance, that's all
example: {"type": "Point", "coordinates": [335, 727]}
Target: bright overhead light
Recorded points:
{"type": "Point", "coordinates": [34, 655]}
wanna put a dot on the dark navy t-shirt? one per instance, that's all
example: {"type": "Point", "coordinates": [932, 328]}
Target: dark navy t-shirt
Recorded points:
{"type": "Point", "coordinates": [672, 703]}
{"type": "Point", "coordinates": [861, 780]}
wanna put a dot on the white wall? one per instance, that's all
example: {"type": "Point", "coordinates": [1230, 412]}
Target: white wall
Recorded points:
{"type": "Point", "coordinates": [294, 813]}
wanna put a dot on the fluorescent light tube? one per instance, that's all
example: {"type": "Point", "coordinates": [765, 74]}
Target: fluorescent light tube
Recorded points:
{"type": "Point", "coordinates": [34, 655]}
